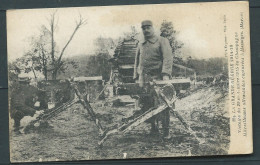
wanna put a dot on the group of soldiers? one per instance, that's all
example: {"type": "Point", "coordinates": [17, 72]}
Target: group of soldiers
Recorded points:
{"type": "Point", "coordinates": [153, 61]}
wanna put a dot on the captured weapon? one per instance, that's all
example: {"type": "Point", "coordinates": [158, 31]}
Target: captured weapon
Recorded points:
{"type": "Point", "coordinates": [168, 102]}
{"type": "Point", "coordinates": [78, 98]}
{"type": "Point", "coordinates": [50, 113]}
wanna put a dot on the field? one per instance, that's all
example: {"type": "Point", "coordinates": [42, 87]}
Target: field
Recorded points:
{"type": "Point", "coordinates": [73, 136]}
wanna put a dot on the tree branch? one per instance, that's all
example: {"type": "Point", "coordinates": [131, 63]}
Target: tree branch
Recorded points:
{"type": "Point", "coordinates": [79, 23]}
{"type": "Point", "coordinates": [52, 22]}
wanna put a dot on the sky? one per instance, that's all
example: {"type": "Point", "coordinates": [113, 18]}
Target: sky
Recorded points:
{"type": "Point", "coordinates": [200, 26]}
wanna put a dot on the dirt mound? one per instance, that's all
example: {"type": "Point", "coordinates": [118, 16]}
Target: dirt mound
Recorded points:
{"type": "Point", "coordinates": [206, 111]}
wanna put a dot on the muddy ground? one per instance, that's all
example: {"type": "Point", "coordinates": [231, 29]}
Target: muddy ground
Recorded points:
{"type": "Point", "coordinates": [73, 136]}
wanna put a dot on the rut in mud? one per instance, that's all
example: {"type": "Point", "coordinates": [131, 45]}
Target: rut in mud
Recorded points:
{"type": "Point", "coordinates": [73, 136]}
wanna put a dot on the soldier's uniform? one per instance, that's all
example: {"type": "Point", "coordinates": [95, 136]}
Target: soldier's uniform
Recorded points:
{"type": "Point", "coordinates": [23, 98]}
{"type": "Point", "coordinates": [153, 60]}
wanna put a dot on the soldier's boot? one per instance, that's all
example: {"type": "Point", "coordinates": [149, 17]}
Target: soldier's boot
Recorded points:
{"type": "Point", "coordinates": [166, 135]}
{"type": "Point", "coordinates": [17, 126]}
{"type": "Point", "coordinates": [154, 129]}
{"type": "Point", "coordinates": [166, 124]}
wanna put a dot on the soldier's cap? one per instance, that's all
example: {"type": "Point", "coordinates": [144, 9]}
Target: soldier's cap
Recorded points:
{"type": "Point", "coordinates": [146, 23]}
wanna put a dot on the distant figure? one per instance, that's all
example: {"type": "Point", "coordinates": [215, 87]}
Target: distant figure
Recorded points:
{"type": "Point", "coordinates": [153, 61]}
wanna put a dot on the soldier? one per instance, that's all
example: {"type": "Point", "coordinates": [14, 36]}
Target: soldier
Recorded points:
{"type": "Point", "coordinates": [153, 61]}
{"type": "Point", "coordinates": [22, 103]}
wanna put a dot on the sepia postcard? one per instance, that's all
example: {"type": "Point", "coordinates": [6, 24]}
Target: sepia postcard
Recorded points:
{"type": "Point", "coordinates": [132, 81]}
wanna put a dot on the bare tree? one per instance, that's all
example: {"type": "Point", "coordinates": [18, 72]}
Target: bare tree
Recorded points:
{"type": "Point", "coordinates": [56, 60]}
{"type": "Point", "coordinates": [43, 55]}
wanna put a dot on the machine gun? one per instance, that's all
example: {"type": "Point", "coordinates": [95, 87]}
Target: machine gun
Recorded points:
{"type": "Point", "coordinates": [166, 92]}
{"type": "Point", "coordinates": [78, 98]}
{"type": "Point", "coordinates": [157, 86]}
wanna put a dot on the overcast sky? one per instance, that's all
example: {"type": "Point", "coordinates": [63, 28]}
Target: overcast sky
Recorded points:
{"type": "Point", "coordinates": [200, 26]}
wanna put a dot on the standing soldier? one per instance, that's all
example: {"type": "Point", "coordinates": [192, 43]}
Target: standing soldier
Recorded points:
{"type": "Point", "coordinates": [153, 61]}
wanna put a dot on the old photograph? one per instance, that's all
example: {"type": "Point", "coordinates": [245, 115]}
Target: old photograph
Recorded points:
{"type": "Point", "coordinates": [133, 81]}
